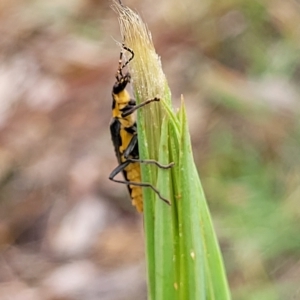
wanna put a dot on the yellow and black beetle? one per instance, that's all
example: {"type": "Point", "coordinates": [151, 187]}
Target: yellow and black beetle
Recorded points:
{"type": "Point", "coordinates": [123, 130]}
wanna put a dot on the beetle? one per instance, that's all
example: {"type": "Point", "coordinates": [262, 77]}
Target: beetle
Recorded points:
{"type": "Point", "coordinates": [123, 130]}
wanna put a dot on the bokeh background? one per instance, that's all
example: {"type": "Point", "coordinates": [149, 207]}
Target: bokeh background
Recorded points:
{"type": "Point", "coordinates": [66, 231]}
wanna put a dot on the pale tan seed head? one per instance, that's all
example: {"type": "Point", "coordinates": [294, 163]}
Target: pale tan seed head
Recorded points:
{"type": "Point", "coordinates": [147, 75]}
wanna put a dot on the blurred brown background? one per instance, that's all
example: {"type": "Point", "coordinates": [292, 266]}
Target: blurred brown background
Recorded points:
{"type": "Point", "coordinates": [66, 231]}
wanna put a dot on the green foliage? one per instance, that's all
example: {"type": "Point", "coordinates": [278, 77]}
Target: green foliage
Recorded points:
{"type": "Point", "coordinates": [184, 258]}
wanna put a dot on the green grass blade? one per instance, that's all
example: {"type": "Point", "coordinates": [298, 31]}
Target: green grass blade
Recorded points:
{"type": "Point", "coordinates": [164, 244]}
{"type": "Point", "coordinates": [216, 281]}
{"type": "Point", "coordinates": [191, 248]}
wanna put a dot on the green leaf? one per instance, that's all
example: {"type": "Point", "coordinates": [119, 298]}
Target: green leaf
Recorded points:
{"type": "Point", "coordinates": [191, 249]}
{"type": "Point", "coordinates": [164, 244]}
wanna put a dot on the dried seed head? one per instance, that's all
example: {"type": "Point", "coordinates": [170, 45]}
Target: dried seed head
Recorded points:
{"type": "Point", "coordinates": [148, 78]}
